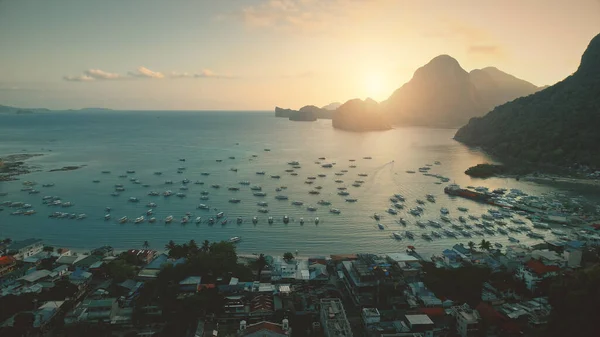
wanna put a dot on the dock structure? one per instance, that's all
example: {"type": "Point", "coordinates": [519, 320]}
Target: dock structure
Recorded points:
{"type": "Point", "coordinates": [333, 318]}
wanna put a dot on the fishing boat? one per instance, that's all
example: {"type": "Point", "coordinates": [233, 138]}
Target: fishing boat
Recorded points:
{"type": "Point", "coordinates": [235, 239]}
{"type": "Point", "coordinates": [106, 217]}
{"type": "Point", "coordinates": [198, 220]}
{"type": "Point", "coordinates": [270, 220]}
{"type": "Point", "coordinates": [239, 220]}
{"type": "Point", "coordinates": [311, 208]}
{"type": "Point", "coordinates": [169, 219]}
{"type": "Point", "coordinates": [220, 215]}
{"type": "Point", "coordinates": [435, 234]}
{"type": "Point", "coordinates": [123, 219]}
{"type": "Point", "coordinates": [409, 234]}
{"type": "Point", "coordinates": [139, 219]}
{"type": "Point", "coordinates": [380, 226]}
{"type": "Point", "coordinates": [397, 236]}
{"type": "Point", "coordinates": [335, 211]}
{"type": "Point", "coordinates": [316, 220]}
{"type": "Point", "coordinates": [392, 211]}
{"type": "Point", "coordinates": [255, 220]}
{"type": "Point", "coordinates": [152, 220]}
{"type": "Point", "coordinates": [426, 236]}
{"type": "Point", "coordinates": [286, 219]}
{"type": "Point", "coordinates": [402, 221]}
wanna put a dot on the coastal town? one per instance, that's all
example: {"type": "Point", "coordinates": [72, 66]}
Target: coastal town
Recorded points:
{"type": "Point", "coordinates": [207, 289]}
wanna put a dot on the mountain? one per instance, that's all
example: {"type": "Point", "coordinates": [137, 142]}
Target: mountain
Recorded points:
{"type": "Point", "coordinates": [305, 114]}
{"type": "Point", "coordinates": [358, 115]}
{"type": "Point", "coordinates": [558, 125]}
{"type": "Point", "coordinates": [496, 87]}
{"type": "Point", "coordinates": [332, 106]}
{"type": "Point", "coordinates": [287, 113]}
{"type": "Point", "coordinates": [443, 94]}
{"type": "Point", "coordinates": [440, 94]}
{"type": "Point", "coordinates": [13, 110]}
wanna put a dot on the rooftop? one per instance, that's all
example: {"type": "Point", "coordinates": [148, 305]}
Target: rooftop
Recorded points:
{"type": "Point", "coordinates": [36, 275]}
{"type": "Point", "coordinates": [334, 318]}
{"type": "Point", "coordinates": [401, 257]}
{"type": "Point", "coordinates": [18, 245]}
{"type": "Point", "coordinates": [191, 280]}
{"type": "Point", "coordinates": [540, 268]}
{"type": "Point", "coordinates": [7, 260]}
{"type": "Point", "coordinates": [273, 328]}
{"type": "Point", "coordinates": [418, 320]}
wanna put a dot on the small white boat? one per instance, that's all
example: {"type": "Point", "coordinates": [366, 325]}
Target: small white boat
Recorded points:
{"type": "Point", "coordinates": [270, 220]}
{"type": "Point", "coordinates": [169, 219]}
{"type": "Point", "coordinates": [139, 219]}
{"type": "Point", "coordinates": [123, 219]}
{"type": "Point", "coordinates": [255, 220]}
{"type": "Point", "coordinates": [286, 219]}
{"type": "Point", "coordinates": [203, 206]}
{"type": "Point", "coordinates": [235, 239]}
{"type": "Point", "coordinates": [302, 221]}
{"type": "Point", "coordinates": [198, 220]}
{"type": "Point", "coordinates": [444, 210]}
{"type": "Point", "coordinates": [397, 236]}
{"type": "Point", "coordinates": [392, 211]}
{"type": "Point", "coordinates": [149, 212]}
{"type": "Point", "coordinates": [335, 211]}
{"type": "Point", "coordinates": [380, 226]}
{"type": "Point", "coordinates": [316, 220]}
{"type": "Point", "coordinates": [220, 215]}
{"type": "Point", "coordinates": [107, 217]}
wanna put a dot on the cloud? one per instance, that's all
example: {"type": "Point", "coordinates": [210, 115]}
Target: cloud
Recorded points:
{"type": "Point", "coordinates": [101, 75]}
{"type": "Point", "coordinates": [144, 72]}
{"type": "Point", "coordinates": [309, 15]}
{"type": "Point", "coordinates": [204, 73]}
{"type": "Point", "coordinates": [92, 75]}
{"type": "Point", "coordinates": [80, 78]}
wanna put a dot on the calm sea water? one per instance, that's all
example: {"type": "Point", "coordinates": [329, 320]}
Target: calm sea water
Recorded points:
{"type": "Point", "coordinates": [154, 141]}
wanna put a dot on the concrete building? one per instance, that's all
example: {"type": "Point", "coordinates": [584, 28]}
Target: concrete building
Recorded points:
{"type": "Point", "coordinates": [534, 271]}
{"type": "Point", "coordinates": [7, 264]}
{"type": "Point", "coordinates": [265, 329]}
{"type": "Point", "coordinates": [420, 324]}
{"type": "Point", "coordinates": [572, 257]}
{"type": "Point", "coordinates": [467, 320]}
{"type": "Point", "coordinates": [333, 318]}
{"type": "Point", "coordinates": [23, 249]}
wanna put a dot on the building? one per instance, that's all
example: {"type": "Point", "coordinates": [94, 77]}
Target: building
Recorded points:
{"type": "Point", "coordinates": [420, 324]}
{"type": "Point", "coordinates": [104, 251]}
{"type": "Point", "coordinates": [152, 269]}
{"type": "Point", "coordinates": [7, 264]}
{"type": "Point", "coordinates": [370, 316]}
{"type": "Point", "coordinates": [143, 256]}
{"type": "Point", "coordinates": [36, 276]}
{"type": "Point", "coordinates": [262, 305]}
{"type": "Point", "coordinates": [333, 318]}
{"type": "Point", "coordinates": [365, 277]}
{"type": "Point", "coordinates": [265, 329]}
{"type": "Point", "coordinates": [572, 257]}
{"type": "Point", "coordinates": [467, 320]}
{"type": "Point", "coordinates": [534, 271]}
{"type": "Point", "coordinates": [23, 249]}
{"type": "Point", "coordinates": [190, 284]}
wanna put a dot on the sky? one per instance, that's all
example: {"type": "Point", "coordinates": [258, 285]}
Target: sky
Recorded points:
{"type": "Point", "coordinates": [258, 54]}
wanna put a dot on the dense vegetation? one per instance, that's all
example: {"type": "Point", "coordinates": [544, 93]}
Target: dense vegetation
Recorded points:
{"type": "Point", "coordinates": [460, 285]}
{"type": "Point", "coordinates": [485, 170]}
{"type": "Point", "coordinates": [558, 125]}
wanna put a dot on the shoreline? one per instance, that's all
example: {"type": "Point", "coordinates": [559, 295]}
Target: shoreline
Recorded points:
{"type": "Point", "coordinates": [14, 165]}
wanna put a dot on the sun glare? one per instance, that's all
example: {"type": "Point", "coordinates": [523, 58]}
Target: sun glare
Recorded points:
{"type": "Point", "coordinates": [375, 86]}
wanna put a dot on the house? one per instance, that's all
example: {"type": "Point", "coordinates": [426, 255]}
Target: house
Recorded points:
{"type": "Point", "coordinates": [69, 260]}
{"type": "Point", "coordinates": [7, 264]}
{"type": "Point", "coordinates": [87, 261]}
{"type": "Point", "coordinates": [190, 284]}
{"type": "Point", "coordinates": [420, 323]}
{"type": "Point", "coordinates": [318, 272]}
{"type": "Point", "coordinates": [151, 270]}
{"type": "Point", "coordinates": [59, 272]}
{"type": "Point", "coordinates": [143, 256]}
{"type": "Point", "coordinates": [467, 320]}
{"type": "Point", "coordinates": [80, 277]}
{"type": "Point", "coordinates": [235, 306]}
{"type": "Point", "coordinates": [101, 310]}
{"type": "Point", "coordinates": [419, 295]}
{"type": "Point", "coordinates": [572, 256]}
{"type": "Point", "coordinates": [42, 315]}
{"type": "Point", "coordinates": [25, 248]}
{"type": "Point", "coordinates": [38, 275]}
{"type": "Point", "coordinates": [265, 329]}
{"type": "Point", "coordinates": [534, 271]}
{"type": "Point", "coordinates": [104, 251]}
{"type": "Point", "coordinates": [451, 258]}
{"type": "Point", "coordinates": [370, 316]}
{"type": "Point", "coordinates": [262, 305]}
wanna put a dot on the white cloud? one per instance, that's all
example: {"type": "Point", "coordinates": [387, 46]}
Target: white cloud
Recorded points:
{"type": "Point", "coordinates": [101, 75]}
{"type": "Point", "coordinates": [204, 73]}
{"type": "Point", "coordinates": [80, 78]}
{"type": "Point", "coordinates": [146, 73]}
{"type": "Point", "coordinates": [92, 75]}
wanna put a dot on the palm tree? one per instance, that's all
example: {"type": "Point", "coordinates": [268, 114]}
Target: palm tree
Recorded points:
{"type": "Point", "coordinates": [471, 246]}
{"type": "Point", "coordinates": [261, 263]}
{"type": "Point", "coordinates": [48, 249]}
{"type": "Point", "coordinates": [205, 246]}
{"type": "Point", "coordinates": [146, 244]}
{"type": "Point", "coordinates": [170, 245]}
{"type": "Point", "coordinates": [192, 247]}
{"type": "Point", "coordinates": [288, 256]}
{"type": "Point", "coordinates": [485, 245]}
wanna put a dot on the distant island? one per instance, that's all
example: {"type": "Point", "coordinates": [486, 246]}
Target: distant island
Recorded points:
{"type": "Point", "coordinates": [306, 113]}
{"type": "Point", "coordinates": [359, 115]}
{"type": "Point", "coordinates": [556, 126]}
{"type": "Point", "coordinates": [20, 111]}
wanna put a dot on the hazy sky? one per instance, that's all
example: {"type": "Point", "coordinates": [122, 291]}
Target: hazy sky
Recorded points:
{"type": "Point", "coordinates": [255, 54]}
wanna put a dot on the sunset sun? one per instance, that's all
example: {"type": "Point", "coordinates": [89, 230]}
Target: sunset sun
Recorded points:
{"type": "Point", "coordinates": [375, 86]}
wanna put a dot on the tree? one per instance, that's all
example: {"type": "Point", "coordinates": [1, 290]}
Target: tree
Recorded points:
{"type": "Point", "coordinates": [170, 245]}
{"type": "Point", "coordinates": [288, 256]}
{"type": "Point", "coordinates": [146, 245]}
{"type": "Point", "coordinates": [48, 249]}
{"type": "Point", "coordinates": [485, 245]}
{"type": "Point", "coordinates": [193, 247]}
{"type": "Point", "coordinates": [471, 246]}
{"type": "Point", "coordinates": [261, 263]}
{"type": "Point", "coordinates": [205, 246]}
